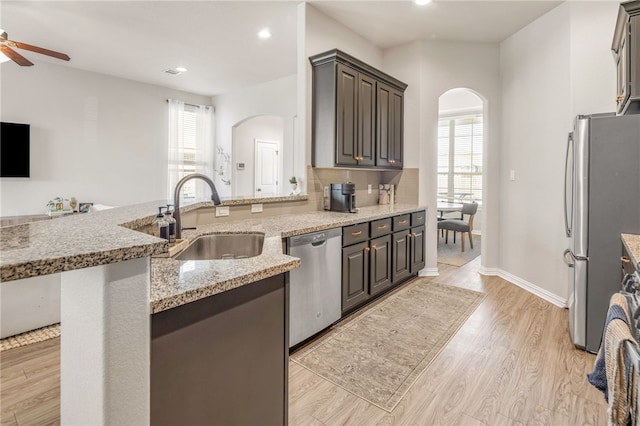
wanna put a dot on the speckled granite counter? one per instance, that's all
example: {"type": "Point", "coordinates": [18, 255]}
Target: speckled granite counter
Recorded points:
{"type": "Point", "coordinates": [632, 244]}
{"type": "Point", "coordinates": [75, 242]}
{"type": "Point", "coordinates": [107, 236]}
{"type": "Point", "coordinates": [174, 283]}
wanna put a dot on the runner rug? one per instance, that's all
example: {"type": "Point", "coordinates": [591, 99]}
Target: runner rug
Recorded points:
{"type": "Point", "coordinates": [380, 353]}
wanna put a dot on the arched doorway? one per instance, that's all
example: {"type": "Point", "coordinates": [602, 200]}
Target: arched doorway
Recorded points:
{"type": "Point", "coordinates": [461, 152]}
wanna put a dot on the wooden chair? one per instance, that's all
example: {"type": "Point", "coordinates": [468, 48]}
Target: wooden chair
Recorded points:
{"type": "Point", "coordinates": [460, 225]}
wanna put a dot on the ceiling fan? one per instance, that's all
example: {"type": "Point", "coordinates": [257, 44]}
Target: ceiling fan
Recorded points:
{"type": "Point", "coordinates": [7, 46]}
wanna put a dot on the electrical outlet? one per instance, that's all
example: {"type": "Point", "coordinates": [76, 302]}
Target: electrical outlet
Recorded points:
{"type": "Point", "coordinates": [326, 191]}
{"type": "Point", "coordinates": [512, 175]}
{"type": "Point", "coordinates": [256, 208]}
{"type": "Point", "coordinates": [222, 211]}
{"type": "Point", "coordinates": [369, 189]}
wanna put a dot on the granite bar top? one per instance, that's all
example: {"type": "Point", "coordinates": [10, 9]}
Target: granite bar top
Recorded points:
{"type": "Point", "coordinates": [109, 236]}
{"type": "Point", "coordinates": [77, 241]}
{"type": "Point", "coordinates": [174, 283]}
{"type": "Point", "coordinates": [632, 244]}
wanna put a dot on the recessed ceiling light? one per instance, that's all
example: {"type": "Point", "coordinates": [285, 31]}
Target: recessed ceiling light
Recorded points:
{"type": "Point", "coordinates": [422, 2]}
{"type": "Point", "coordinates": [265, 33]}
{"type": "Point", "coordinates": [181, 69]}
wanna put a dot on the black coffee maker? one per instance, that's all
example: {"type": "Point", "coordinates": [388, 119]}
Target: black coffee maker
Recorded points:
{"type": "Point", "coordinates": [343, 197]}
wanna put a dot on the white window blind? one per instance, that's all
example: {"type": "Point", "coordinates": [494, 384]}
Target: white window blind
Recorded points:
{"type": "Point", "coordinates": [460, 144]}
{"type": "Point", "coordinates": [190, 147]}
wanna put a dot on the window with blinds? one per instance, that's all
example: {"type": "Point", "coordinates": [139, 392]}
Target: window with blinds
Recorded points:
{"type": "Point", "coordinates": [460, 141]}
{"type": "Point", "coordinates": [187, 154]}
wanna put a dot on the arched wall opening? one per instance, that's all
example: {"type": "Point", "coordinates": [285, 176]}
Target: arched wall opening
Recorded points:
{"type": "Point", "coordinates": [462, 158]}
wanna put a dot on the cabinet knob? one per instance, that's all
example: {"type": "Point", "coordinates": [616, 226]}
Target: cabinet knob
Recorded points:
{"type": "Point", "coordinates": [619, 98]}
{"type": "Point", "coordinates": [625, 259]}
{"type": "Point", "coordinates": [367, 249]}
{"type": "Point", "coordinates": [373, 247]}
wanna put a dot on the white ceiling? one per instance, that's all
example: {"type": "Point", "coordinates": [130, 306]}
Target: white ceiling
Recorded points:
{"type": "Point", "coordinates": [217, 42]}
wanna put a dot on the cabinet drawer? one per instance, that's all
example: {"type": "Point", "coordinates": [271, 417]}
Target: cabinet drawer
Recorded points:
{"type": "Point", "coordinates": [380, 227]}
{"type": "Point", "coordinates": [355, 233]}
{"type": "Point", "coordinates": [401, 222]}
{"type": "Point", "coordinates": [418, 218]}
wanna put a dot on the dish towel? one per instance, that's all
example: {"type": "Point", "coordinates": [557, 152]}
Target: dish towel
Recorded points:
{"type": "Point", "coordinates": [619, 379]}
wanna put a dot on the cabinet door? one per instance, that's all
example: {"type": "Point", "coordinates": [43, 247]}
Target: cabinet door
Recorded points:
{"type": "Point", "coordinates": [400, 256]}
{"type": "Point", "coordinates": [346, 115]}
{"type": "Point", "coordinates": [396, 142]}
{"type": "Point", "coordinates": [417, 249]}
{"type": "Point", "coordinates": [389, 128]}
{"type": "Point", "coordinates": [623, 72]}
{"type": "Point", "coordinates": [366, 136]}
{"type": "Point", "coordinates": [355, 275]}
{"type": "Point", "coordinates": [380, 271]}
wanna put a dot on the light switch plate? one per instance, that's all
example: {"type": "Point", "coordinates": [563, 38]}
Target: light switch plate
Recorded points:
{"type": "Point", "coordinates": [512, 175]}
{"type": "Point", "coordinates": [222, 211]}
{"type": "Point", "coordinates": [256, 208]}
{"type": "Point", "coordinates": [369, 189]}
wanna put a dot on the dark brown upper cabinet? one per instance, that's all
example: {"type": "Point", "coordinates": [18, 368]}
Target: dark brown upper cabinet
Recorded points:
{"type": "Point", "coordinates": [626, 54]}
{"type": "Point", "coordinates": [358, 114]}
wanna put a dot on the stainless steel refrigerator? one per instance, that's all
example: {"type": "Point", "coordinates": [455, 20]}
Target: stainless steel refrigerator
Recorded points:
{"type": "Point", "coordinates": [602, 200]}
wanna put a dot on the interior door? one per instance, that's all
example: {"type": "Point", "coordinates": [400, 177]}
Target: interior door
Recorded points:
{"type": "Point", "coordinates": [266, 168]}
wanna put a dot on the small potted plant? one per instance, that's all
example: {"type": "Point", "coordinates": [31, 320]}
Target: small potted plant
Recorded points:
{"type": "Point", "coordinates": [294, 183]}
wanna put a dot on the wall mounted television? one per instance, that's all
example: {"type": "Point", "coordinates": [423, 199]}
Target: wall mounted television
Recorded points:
{"type": "Point", "coordinates": [14, 150]}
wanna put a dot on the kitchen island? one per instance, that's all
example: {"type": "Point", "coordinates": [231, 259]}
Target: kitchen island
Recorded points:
{"type": "Point", "coordinates": [111, 287]}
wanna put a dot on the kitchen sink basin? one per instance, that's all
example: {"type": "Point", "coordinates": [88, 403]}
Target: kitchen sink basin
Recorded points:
{"type": "Point", "coordinates": [223, 246]}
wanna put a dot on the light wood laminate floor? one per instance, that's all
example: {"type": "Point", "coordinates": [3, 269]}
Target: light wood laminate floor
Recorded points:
{"type": "Point", "coordinates": [511, 363]}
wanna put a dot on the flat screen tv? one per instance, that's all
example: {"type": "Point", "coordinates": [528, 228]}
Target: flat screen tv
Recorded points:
{"type": "Point", "coordinates": [14, 150]}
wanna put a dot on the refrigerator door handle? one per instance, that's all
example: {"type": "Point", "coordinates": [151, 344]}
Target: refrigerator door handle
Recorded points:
{"type": "Point", "coordinates": [568, 258]}
{"type": "Point", "coordinates": [574, 258]}
{"type": "Point", "coordinates": [567, 215]}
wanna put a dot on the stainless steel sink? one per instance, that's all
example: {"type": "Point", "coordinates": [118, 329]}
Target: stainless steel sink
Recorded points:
{"type": "Point", "coordinates": [223, 246]}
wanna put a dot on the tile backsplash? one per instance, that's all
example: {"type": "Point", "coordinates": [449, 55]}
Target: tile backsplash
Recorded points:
{"type": "Point", "coordinates": [406, 182]}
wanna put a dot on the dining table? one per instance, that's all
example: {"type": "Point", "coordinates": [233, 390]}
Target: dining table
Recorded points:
{"type": "Point", "coordinates": [448, 207]}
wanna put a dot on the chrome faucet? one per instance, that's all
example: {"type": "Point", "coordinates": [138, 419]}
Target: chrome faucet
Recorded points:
{"type": "Point", "coordinates": [176, 197]}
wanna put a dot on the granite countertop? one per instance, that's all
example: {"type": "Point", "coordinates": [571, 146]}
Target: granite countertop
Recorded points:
{"type": "Point", "coordinates": [632, 244]}
{"type": "Point", "coordinates": [108, 236]}
{"type": "Point", "coordinates": [77, 241]}
{"type": "Point", "coordinates": [174, 283]}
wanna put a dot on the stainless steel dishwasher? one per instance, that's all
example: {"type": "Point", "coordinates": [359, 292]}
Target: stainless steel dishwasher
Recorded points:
{"type": "Point", "coordinates": [315, 288]}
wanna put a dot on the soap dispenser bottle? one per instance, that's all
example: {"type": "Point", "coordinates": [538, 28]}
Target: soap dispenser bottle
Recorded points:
{"type": "Point", "coordinates": [162, 224]}
{"type": "Point", "coordinates": [168, 216]}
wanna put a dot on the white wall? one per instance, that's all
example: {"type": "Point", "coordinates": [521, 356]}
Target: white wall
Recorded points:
{"type": "Point", "coordinates": [556, 67]}
{"type": "Point", "coordinates": [592, 70]}
{"type": "Point", "coordinates": [101, 139]}
{"type": "Point", "coordinates": [431, 68]}
{"type": "Point", "coordinates": [277, 97]}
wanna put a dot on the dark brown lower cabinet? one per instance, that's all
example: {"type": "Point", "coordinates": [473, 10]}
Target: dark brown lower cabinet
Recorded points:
{"type": "Point", "coordinates": [380, 259]}
{"type": "Point", "coordinates": [355, 275]}
{"type": "Point", "coordinates": [401, 250]}
{"type": "Point", "coordinates": [380, 278]}
{"type": "Point", "coordinates": [417, 258]}
{"type": "Point", "coordinates": [223, 360]}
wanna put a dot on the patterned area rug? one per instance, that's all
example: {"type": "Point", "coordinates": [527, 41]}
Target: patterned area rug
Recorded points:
{"type": "Point", "coordinates": [451, 254]}
{"type": "Point", "coordinates": [379, 354]}
{"type": "Point", "coordinates": [29, 337]}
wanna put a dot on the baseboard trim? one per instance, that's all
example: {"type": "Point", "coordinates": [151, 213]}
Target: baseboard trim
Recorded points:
{"type": "Point", "coordinates": [526, 285]}
{"type": "Point", "coordinates": [428, 272]}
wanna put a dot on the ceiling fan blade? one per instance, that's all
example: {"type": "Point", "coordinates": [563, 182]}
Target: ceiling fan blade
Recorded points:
{"type": "Point", "coordinates": [15, 56]}
{"type": "Point", "coordinates": [41, 50]}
